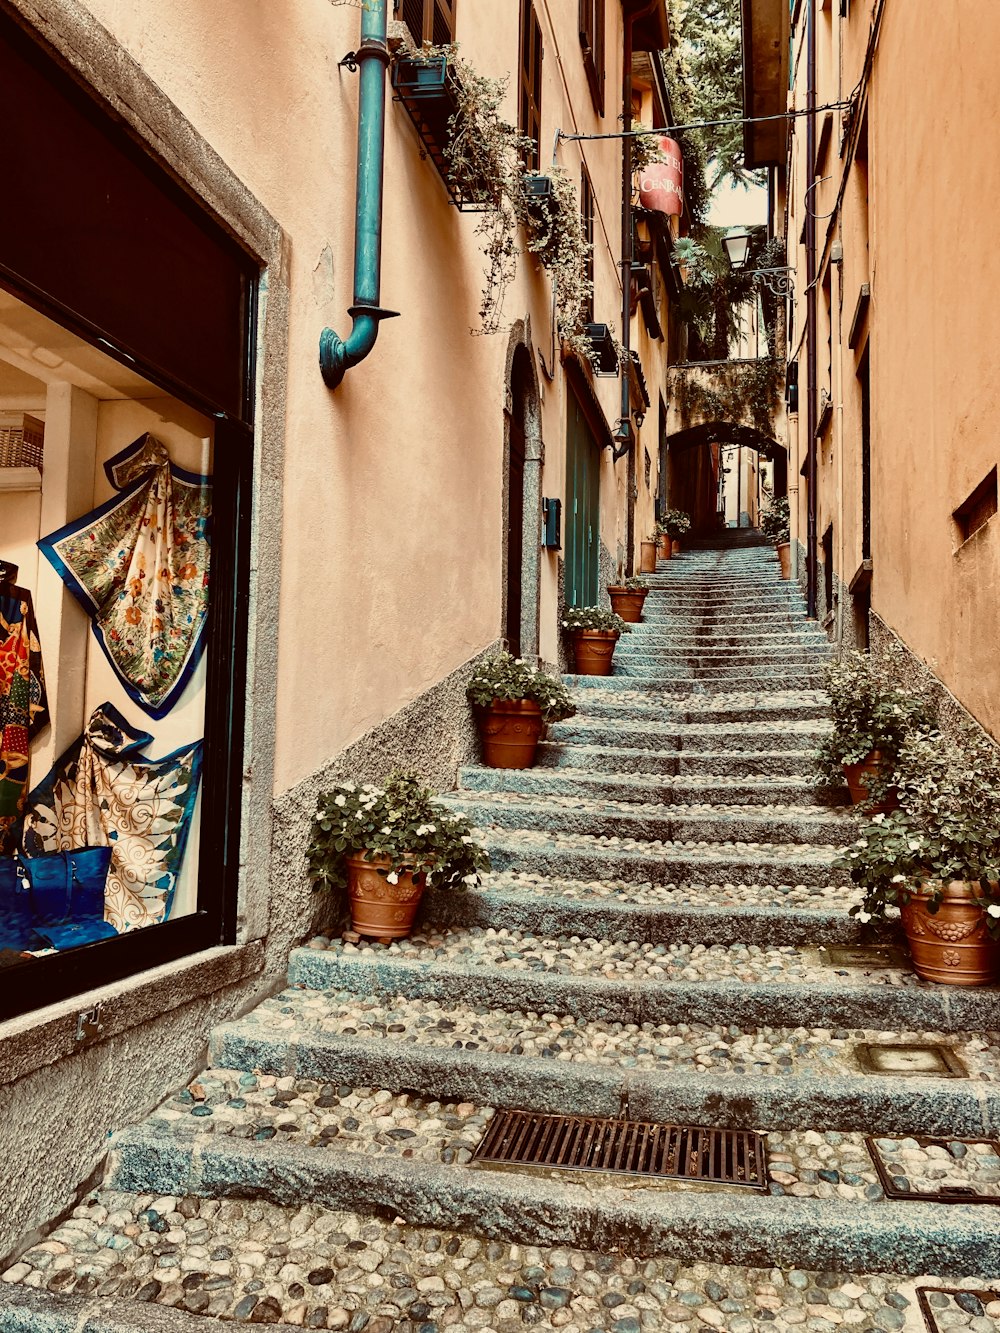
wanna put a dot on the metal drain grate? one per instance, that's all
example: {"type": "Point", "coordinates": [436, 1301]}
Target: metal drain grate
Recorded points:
{"type": "Point", "coordinates": [934, 1301]}
{"type": "Point", "coordinates": [897, 1182]}
{"type": "Point", "coordinates": [625, 1147]}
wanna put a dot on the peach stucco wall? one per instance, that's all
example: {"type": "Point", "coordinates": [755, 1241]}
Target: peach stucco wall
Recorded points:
{"type": "Point", "coordinates": [918, 224]}
{"type": "Point", "coordinates": [392, 550]}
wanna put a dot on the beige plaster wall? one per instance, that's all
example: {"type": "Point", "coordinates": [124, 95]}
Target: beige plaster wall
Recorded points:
{"type": "Point", "coordinates": [391, 564]}
{"type": "Point", "coordinates": [916, 223]}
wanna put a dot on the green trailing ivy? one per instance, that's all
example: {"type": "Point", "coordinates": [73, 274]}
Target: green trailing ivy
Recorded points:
{"type": "Point", "coordinates": [401, 822]}
{"type": "Point", "coordinates": [734, 391]}
{"type": "Point", "coordinates": [506, 677]}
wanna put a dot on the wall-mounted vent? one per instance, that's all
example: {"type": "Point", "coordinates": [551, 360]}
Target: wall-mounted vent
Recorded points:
{"type": "Point", "coordinates": [978, 509]}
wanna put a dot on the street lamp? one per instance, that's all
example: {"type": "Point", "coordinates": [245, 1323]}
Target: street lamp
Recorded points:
{"type": "Point", "coordinates": [777, 280]}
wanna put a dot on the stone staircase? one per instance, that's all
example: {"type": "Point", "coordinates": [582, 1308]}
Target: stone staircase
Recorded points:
{"type": "Point", "coordinates": [653, 943]}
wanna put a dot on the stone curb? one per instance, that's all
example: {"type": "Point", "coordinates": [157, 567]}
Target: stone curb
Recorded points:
{"type": "Point", "coordinates": [669, 866]}
{"type": "Point", "coordinates": [548, 915]}
{"type": "Point", "coordinates": [524, 1208]}
{"type": "Point", "coordinates": [862, 1103]}
{"type": "Point", "coordinates": [824, 828]}
{"type": "Point", "coordinates": [599, 999]}
{"type": "Point", "coordinates": [26, 1310]}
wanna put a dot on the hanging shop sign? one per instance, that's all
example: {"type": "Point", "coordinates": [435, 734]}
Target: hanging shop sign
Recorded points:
{"type": "Point", "coordinates": [661, 185]}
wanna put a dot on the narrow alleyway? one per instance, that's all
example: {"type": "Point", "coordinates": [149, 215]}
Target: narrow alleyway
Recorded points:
{"type": "Point", "coordinates": [648, 945]}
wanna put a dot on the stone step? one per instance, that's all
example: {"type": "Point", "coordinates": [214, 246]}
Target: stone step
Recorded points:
{"type": "Point", "coordinates": [693, 639]}
{"type": "Point", "coordinates": [667, 683]}
{"type": "Point", "coordinates": [745, 914]}
{"type": "Point", "coordinates": [644, 786]}
{"type": "Point", "coordinates": [793, 708]}
{"type": "Point", "coordinates": [342, 1269]}
{"type": "Point", "coordinates": [766, 1078]}
{"type": "Point", "coordinates": [578, 856]}
{"type": "Point", "coordinates": [740, 767]}
{"type": "Point", "coordinates": [647, 822]}
{"type": "Point", "coordinates": [702, 665]}
{"type": "Point", "coordinates": [353, 1169]}
{"type": "Point", "coordinates": [775, 988]}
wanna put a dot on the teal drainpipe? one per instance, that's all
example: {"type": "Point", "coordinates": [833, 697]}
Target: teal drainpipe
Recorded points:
{"type": "Point", "coordinates": [335, 355]}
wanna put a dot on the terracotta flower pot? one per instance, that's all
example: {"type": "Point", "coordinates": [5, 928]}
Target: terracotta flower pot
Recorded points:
{"type": "Point", "coordinates": [784, 550]}
{"type": "Point", "coordinates": [379, 909]}
{"type": "Point", "coordinates": [859, 778]}
{"type": "Point", "coordinates": [509, 730]}
{"type": "Point", "coordinates": [628, 603]}
{"type": "Point", "coordinates": [647, 557]}
{"type": "Point", "coordinates": [663, 547]}
{"type": "Point", "coordinates": [675, 546]}
{"type": "Point", "coordinates": [593, 650]}
{"type": "Point", "coordinates": [952, 944]}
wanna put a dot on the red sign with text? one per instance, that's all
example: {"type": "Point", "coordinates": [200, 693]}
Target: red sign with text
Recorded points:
{"type": "Point", "coordinates": [661, 186]}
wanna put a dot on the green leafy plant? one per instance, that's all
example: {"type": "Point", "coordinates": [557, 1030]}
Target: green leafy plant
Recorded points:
{"type": "Point", "coordinates": [633, 583]}
{"type": "Point", "coordinates": [593, 617]}
{"type": "Point", "coordinates": [871, 711]}
{"type": "Point", "coordinates": [506, 677]}
{"type": "Point", "coordinates": [947, 828]}
{"type": "Point", "coordinates": [401, 822]}
{"type": "Point", "coordinates": [675, 523]}
{"type": "Point", "coordinates": [646, 150]}
{"type": "Point", "coordinates": [556, 239]}
{"type": "Point", "coordinates": [775, 521]}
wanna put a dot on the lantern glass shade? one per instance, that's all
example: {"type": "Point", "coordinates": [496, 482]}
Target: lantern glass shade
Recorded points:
{"type": "Point", "coordinates": [737, 248]}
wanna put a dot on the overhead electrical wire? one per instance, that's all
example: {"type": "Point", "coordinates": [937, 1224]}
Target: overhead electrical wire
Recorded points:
{"type": "Point", "coordinates": [708, 124]}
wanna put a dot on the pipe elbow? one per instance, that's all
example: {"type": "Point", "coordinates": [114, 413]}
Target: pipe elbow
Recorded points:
{"type": "Point", "coordinates": [337, 355]}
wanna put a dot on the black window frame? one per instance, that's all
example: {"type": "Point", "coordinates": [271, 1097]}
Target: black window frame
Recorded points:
{"type": "Point", "coordinates": [587, 224]}
{"type": "Point", "coordinates": [592, 46]}
{"type": "Point", "coordinates": [50, 979]}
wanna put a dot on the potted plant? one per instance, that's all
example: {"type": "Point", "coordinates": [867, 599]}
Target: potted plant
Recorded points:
{"type": "Point", "coordinates": [384, 845]}
{"type": "Point", "coordinates": [513, 703]}
{"type": "Point", "coordinates": [648, 552]}
{"type": "Point", "coordinates": [593, 632]}
{"type": "Point", "coordinates": [937, 857]}
{"type": "Point", "coordinates": [775, 523]}
{"type": "Point", "coordinates": [677, 524]}
{"type": "Point", "coordinates": [663, 542]}
{"type": "Point", "coordinates": [627, 597]}
{"type": "Point", "coordinates": [872, 718]}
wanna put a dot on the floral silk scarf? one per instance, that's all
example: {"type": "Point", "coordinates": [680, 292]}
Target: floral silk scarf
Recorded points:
{"type": "Point", "coordinates": [105, 792]}
{"type": "Point", "coordinates": [23, 705]}
{"type": "Point", "coordinates": [138, 565]}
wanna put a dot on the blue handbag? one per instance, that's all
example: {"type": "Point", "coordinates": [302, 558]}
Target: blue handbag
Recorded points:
{"type": "Point", "coordinates": [15, 908]}
{"type": "Point", "coordinates": [66, 895]}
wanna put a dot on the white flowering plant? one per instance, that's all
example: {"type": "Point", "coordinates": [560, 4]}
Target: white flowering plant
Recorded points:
{"type": "Point", "coordinates": [505, 677]}
{"type": "Point", "coordinates": [871, 711]}
{"type": "Point", "coordinates": [401, 822]}
{"type": "Point", "coordinates": [946, 829]}
{"type": "Point", "coordinates": [675, 523]}
{"type": "Point", "coordinates": [593, 617]}
{"type": "Point", "coordinates": [633, 583]}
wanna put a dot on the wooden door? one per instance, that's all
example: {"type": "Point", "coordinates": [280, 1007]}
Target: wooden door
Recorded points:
{"type": "Point", "coordinates": [583, 478]}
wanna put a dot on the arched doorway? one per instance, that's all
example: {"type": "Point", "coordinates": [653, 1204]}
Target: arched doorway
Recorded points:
{"type": "Point", "coordinates": [522, 500]}
{"type": "Point", "coordinates": [695, 462]}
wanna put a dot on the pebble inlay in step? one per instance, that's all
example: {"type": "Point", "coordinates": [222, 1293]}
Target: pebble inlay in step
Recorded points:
{"type": "Point", "coordinates": [256, 1263]}
{"type": "Point", "coordinates": [725, 1049]}
{"type": "Point", "coordinates": [947, 1310]}
{"type": "Point", "coordinates": [619, 960]}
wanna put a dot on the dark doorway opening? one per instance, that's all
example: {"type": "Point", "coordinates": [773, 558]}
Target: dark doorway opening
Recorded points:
{"type": "Point", "coordinates": [520, 387]}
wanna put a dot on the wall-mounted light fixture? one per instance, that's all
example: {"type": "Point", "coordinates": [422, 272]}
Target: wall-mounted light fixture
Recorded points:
{"type": "Point", "coordinates": [777, 280]}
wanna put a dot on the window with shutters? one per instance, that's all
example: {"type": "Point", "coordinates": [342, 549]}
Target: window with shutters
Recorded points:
{"type": "Point", "coordinates": [529, 120]}
{"type": "Point", "coordinates": [587, 223]}
{"type": "Point", "coordinates": [592, 45]}
{"type": "Point", "coordinates": [428, 20]}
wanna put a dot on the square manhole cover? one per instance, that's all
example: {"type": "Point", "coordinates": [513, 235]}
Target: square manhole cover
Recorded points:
{"type": "Point", "coordinates": [939, 1170]}
{"type": "Point", "coordinates": [910, 1061]}
{"type": "Point", "coordinates": [864, 955]}
{"type": "Point", "coordinates": [948, 1308]}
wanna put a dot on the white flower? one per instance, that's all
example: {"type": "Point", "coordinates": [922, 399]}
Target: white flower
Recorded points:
{"type": "Point", "coordinates": [993, 909]}
{"type": "Point", "coordinates": [864, 916]}
{"type": "Point", "coordinates": [471, 880]}
{"type": "Point", "coordinates": [916, 844]}
{"type": "Point", "coordinates": [340, 800]}
{"type": "Point", "coordinates": [385, 829]}
{"type": "Point", "coordinates": [861, 842]}
{"type": "Point", "coordinates": [519, 661]}
{"type": "Point", "coordinates": [467, 840]}
{"type": "Point", "coordinates": [878, 819]}
{"type": "Point", "coordinates": [899, 879]}
{"type": "Point", "coordinates": [349, 786]}
{"type": "Point", "coordinates": [392, 877]}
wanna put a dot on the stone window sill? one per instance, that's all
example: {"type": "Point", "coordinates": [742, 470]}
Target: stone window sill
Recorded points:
{"type": "Point", "coordinates": [44, 1036]}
